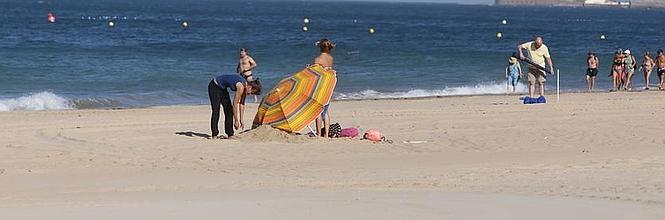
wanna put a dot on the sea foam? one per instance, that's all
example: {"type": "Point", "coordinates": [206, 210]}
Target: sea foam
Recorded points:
{"type": "Point", "coordinates": [35, 102]}
{"type": "Point", "coordinates": [478, 89]}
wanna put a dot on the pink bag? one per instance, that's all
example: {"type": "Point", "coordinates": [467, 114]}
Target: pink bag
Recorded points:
{"type": "Point", "coordinates": [349, 132]}
{"type": "Point", "coordinates": [373, 135]}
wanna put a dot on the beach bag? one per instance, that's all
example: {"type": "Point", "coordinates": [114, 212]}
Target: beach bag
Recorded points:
{"type": "Point", "coordinates": [539, 100]}
{"type": "Point", "coordinates": [335, 130]}
{"type": "Point", "coordinates": [373, 135]}
{"type": "Point", "coordinates": [349, 132]}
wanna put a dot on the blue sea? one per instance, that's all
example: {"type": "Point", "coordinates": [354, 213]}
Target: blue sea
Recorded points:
{"type": "Point", "coordinates": [418, 49]}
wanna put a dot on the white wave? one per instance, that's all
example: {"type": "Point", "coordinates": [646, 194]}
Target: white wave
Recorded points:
{"type": "Point", "coordinates": [35, 102]}
{"type": "Point", "coordinates": [478, 89]}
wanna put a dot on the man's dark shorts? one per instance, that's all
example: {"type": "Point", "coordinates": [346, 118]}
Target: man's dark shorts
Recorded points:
{"type": "Point", "coordinates": [592, 72]}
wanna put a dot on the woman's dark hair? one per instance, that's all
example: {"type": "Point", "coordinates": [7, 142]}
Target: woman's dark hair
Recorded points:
{"type": "Point", "coordinates": [256, 87]}
{"type": "Point", "coordinates": [325, 45]}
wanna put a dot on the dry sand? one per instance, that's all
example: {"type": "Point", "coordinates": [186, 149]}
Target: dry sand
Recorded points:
{"type": "Point", "coordinates": [591, 156]}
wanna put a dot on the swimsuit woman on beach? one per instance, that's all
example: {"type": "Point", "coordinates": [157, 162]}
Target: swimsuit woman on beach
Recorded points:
{"type": "Point", "coordinates": [233, 112]}
{"type": "Point", "coordinates": [629, 69]}
{"type": "Point", "coordinates": [647, 68]}
{"type": "Point", "coordinates": [617, 71]}
{"type": "Point", "coordinates": [324, 59]}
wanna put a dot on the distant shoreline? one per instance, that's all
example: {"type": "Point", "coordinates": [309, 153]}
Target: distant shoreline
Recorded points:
{"type": "Point", "coordinates": [551, 96]}
{"type": "Point", "coordinates": [561, 3]}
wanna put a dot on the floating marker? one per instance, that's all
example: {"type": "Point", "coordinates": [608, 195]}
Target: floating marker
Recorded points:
{"type": "Point", "coordinates": [111, 24]}
{"type": "Point", "coordinates": [499, 35]}
{"type": "Point", "coordinates": [372, 30]}
{"type": "Point", "coordinates": [602, 37]}
{"type": "Point", "coordinates": [185, 24]}
{"type": "Point", "coordinates": [355, 21]}
{"type": "Point", "coordinates": [504, 22]}
{"type": "Point", "coordinates": [305, 29]}
{"type": "Point", "coordinates": [306, 21]}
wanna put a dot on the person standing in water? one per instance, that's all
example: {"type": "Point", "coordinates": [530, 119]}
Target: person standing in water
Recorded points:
{"type": "Point", "coordinates": [592, 70]}
{"type": "Point", "coordinates": [660, 64]}
{"type": "Point", "coordinates": [325, 59]}
{"type": "Point", "coordinates": [539, 54]}
{"type": "Point", "coordinates": [630, 64]}
{"type": "Point", "coordinates": [647, 68]}
{"type": "Point", "coordinates": [245, 65]}
{"type": "Point", "coordinates": [513, 74]}
{"type": "Point", "coordinates": [233, 111]}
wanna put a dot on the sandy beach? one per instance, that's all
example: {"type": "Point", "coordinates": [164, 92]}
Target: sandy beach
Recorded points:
{"type": "Point", "coordinates": [589, 156]}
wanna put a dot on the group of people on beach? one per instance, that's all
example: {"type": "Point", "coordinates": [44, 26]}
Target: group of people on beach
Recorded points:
{"type": "Point", "coordinates": [245, 83]}
{"type": "Point", "coordinates": [623, 69]}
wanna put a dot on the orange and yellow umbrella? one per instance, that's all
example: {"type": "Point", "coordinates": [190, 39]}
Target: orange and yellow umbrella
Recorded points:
{"type": "Point", "coordinates": [297, 100]}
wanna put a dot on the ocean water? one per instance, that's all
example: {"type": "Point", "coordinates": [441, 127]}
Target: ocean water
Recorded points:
{"type": "Point", "coordinates": [418, 49]}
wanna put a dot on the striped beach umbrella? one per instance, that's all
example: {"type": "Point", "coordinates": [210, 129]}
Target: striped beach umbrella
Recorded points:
{"type": "Point", "coordinates": [297, 100]}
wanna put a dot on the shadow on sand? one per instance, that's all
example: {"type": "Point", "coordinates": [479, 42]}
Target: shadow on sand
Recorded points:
{"type": "Point", "coordinates": [193, 134]}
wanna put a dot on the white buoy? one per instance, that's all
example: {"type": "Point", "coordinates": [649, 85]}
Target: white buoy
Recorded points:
{"type": "Point", "coordinates": [602, 37]}
{"type": "Point", "coordinates": [185, 24]}
{"type": "Point", "coordinates": [499, 35]}
{"type": "Point", "coordinates": [355, 21]}
{"type": "Point", "coordinates": [305, 29]}
{"type": "Point", "coordinates": [111, 24]}
{"type": "Point", "coordinates": [372, 30]}
{"type": "Point", "coordinates": [504, 22]}
{"type": "Point", "coordinates": [306, 21]}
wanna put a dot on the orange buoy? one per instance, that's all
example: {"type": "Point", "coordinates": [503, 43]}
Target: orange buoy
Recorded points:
{"type": "Point", "coordinates": [50, 17]}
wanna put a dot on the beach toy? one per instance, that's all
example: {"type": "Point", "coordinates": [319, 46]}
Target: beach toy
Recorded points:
{"type": "Point", "coordinates": [297, 100]}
